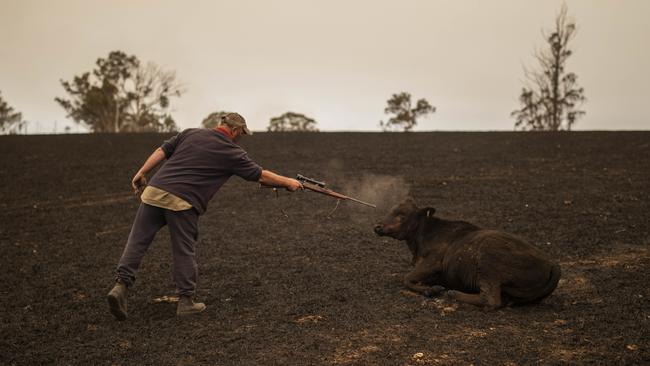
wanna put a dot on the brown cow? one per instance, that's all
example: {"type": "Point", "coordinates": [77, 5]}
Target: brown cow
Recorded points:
{"type": "Point", "coordinates": [477, 266]}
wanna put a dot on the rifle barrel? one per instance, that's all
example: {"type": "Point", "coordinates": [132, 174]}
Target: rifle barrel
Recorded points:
{"type": "Point", "coordinates": [361, 202]}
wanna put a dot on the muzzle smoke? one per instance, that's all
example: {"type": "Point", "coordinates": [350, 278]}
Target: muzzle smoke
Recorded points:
{"type": "Point", "coordinates": [385, 191]}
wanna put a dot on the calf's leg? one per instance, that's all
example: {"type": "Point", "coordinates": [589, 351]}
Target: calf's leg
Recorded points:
{"type": "Point", "coordinates": [489, 295]}
{"type": "Point", "coordinates": [422, 272]}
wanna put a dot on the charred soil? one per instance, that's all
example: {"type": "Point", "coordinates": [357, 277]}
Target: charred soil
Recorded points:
{"type": "Point", "coordinates": [289, 282]}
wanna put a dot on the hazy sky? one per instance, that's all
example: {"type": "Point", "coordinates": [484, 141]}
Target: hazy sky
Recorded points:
{"type": "Point", "coordinates": [336, 61]}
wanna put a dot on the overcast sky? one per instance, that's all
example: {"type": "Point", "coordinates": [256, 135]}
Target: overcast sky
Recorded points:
{"type": "Point", "coordinates": [336, 61]}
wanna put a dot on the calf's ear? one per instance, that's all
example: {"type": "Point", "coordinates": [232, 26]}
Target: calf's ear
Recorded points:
{"type": "Point", "coordinates": [427, 212]}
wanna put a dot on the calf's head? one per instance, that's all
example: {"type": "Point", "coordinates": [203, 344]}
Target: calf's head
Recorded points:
{"type": "Point", "coordinates": [402, 220]}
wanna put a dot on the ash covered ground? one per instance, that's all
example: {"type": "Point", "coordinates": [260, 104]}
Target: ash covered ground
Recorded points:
{"type": "Point", "coordinates": [318, 287]}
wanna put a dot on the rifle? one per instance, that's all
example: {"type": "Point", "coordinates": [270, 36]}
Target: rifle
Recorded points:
{"type": "Point", "coordinates": [319, 187]}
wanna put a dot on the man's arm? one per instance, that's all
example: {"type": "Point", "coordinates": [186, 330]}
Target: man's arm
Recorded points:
{"type": "Point", "coordinates": [271, 179]}
{"type": "Point", "coordinates": [139, 181]}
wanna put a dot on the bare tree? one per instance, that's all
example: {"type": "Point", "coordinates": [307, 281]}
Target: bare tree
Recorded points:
{"type": "Point", "coordinates": [404, 115]}
{"type": "Point", "coordinates": [291, 121]}
{"type": "Point", "coordinates": [551, 97]}
{"type": "Point", "coordinates": [11, 122]}
{"type": "Point", "coordinates": [121, 95]}
{"type": "Point", "coordinates": [148, 99]}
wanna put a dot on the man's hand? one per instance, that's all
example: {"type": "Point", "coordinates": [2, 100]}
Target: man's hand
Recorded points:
{"type": "Point", "coordinates": [293, 185]}
{"type": "Point", "coordinates": [138, 183]}
{"type": "Point", "coordinates": [271, 179]}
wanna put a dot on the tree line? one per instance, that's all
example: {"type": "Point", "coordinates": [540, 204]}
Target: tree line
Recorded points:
{"type": "Point", "coordinates": [121, 94]}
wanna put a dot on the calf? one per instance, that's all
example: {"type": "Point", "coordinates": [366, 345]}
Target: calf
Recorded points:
{"type": "Point", "coordinates": [476, 266]}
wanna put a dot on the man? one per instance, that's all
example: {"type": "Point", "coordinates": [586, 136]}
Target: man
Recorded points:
{"type": "Point", "coordinates": [198, 162]}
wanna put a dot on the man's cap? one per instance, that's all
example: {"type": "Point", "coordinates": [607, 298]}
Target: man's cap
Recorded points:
{"type": "Point", "coordinates": [236, 120]}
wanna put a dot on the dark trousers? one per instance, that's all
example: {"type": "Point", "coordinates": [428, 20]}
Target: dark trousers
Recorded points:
{"type": "Point", "coordinates": [184, 232]}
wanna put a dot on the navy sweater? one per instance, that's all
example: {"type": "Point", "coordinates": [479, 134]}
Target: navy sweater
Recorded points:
{"type": "Point", "coordinates": [199, 162]}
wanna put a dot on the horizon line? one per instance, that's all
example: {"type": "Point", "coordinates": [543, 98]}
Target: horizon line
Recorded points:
{"type": "Point", "coordinates": [330, 131]}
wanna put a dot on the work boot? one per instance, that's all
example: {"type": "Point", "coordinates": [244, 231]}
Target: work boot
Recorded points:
{"type": "Point", "coordinates": [117, 300]}
{"type": "Point", "coordinates": [187, 306]}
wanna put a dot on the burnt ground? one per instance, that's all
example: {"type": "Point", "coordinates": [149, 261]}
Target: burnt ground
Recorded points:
{"type": "Point", "coordinates": [320, 288]}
